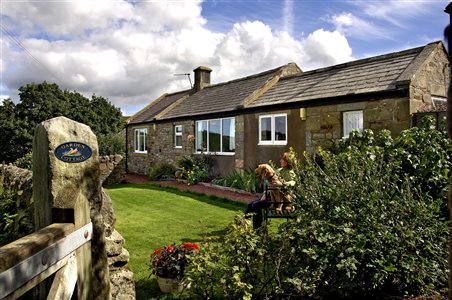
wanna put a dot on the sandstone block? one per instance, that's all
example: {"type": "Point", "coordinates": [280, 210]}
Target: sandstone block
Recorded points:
{"type": "Point", "coordinates": [122, 285]}
{"type": "Point", "coordinates": [118, 261]}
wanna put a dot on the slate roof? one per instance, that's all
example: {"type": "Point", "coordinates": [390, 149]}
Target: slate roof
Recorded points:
{"type": "Point", "coordinates": [151, 111]}
{"type": "Point", "coordinates": [390, 72]}
{"type": "Point", "coordinates": [376, 74]}
{"type": "Point", "coordinates": [223, 97]}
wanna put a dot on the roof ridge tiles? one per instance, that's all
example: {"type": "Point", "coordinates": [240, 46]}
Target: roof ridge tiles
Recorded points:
{"type": "Point", "coordinates": [263, 73]}
{"type": "Point", "coordinates": [364, 61]}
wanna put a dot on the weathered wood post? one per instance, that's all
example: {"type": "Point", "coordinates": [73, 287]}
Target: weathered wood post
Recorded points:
{"type": "Point", "coordinates": [66, 189]}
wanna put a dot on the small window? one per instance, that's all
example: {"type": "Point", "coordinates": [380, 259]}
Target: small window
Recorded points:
{"type": "Point", "coordinates": [178, 136]}
{"type": "Point", "coordinates": [273, 129]}
{"type": "Point", "coordinates": [140, 140]}
{"type": "Point", "coordinates": [439, 102]}
{"type": "Point", "coordinates": [352, 120]}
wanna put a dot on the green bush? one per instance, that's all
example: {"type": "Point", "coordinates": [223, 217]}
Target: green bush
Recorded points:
{"type": "Point", "coordinates": [243, 265]}
{"type": "Point", "coordinates": [112, 144]}
{"type": "Point", "coordinates": [197, 168]}
{"type": "Point", "coordinates": [162, 171]}
{"type": "Point", "coordinates": [364, 231]}
{"type": "Point", "coordinates": [370, 224]}
{"type": "Point", "coordinates": [15, 215]}
{"type": "Point", "coordinates": [421, 154]}
{"type": "Point", "coordinates": [25, 162]}
{"type": "Point", "coordinates": [243, 180]}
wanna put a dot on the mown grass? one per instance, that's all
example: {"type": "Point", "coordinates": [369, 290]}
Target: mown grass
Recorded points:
{"type": "Point", "coordinates": [148, 217]}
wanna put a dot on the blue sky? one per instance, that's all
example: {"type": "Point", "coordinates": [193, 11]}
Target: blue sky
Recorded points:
{"type": "Point", "coordinates": [129, 51]}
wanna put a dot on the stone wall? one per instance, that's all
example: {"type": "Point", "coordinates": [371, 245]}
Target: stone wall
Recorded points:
{"type": "Point", "coordinates": [161, 147]}
{"type": "Point", "coordinates": [122, 285]}
{"type": "Point", "coordinates": [121, 278]}
{"type": "Point", "coordinates": [112, 169]}
{"type": "Point", "coordinates": [431, 80]}
{"type": "Point", "coordinates": [324, 123]}
{"type": "Point", "coordinates": [162, 142]}
{"type": "Point", "coordinates": [137, 163]}
{"type": "Point", "coordinates": [18, 179]}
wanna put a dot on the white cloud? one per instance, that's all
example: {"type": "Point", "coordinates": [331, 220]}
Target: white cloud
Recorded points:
{"type": "Point", "coordinates": [325, 48]}
{"type": "Point", "coordinates": [129, 52]}
{"type": "Point", "coordinates": [393, 11]}
{"type": "Point", "coordinates": [351, 25]}
{"type": "Point", "coordinates": [288, 16]}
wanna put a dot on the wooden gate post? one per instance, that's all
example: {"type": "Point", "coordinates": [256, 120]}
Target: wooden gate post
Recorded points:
{"type": "Point", "coordinates": [66, 185]}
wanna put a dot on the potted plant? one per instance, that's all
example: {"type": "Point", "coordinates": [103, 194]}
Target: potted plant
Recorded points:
{"type": "Point", "coordinates": [168, 264]}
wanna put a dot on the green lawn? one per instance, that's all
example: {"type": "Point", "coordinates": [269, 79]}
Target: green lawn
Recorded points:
{"type": "Point", "coordinates": [149, 217]}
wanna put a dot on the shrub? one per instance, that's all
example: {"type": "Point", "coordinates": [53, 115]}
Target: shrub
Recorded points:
{"type": "Point", "coordinates": [162, 171]}
{"type": "Point", "coordinates": [422, 155]}
{"type": "Point", "coordinates": [25, 162]}
{"type": "Point", "coordinates": [112, 144]}
{"type": "Point", "coordinates": [243, 265]}
{"type": "Point", "coordinates": [369, 225]}
{"type": "Point", "coordinates": [364, 231]}
{"type": "Point", "coordinates": [197, 168]}
{"type": "Point", "coordinates": [15, 215]}
{"type": "Point", "coordinates": [243, 180]}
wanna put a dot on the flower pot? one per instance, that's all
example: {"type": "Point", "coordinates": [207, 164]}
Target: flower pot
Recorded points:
{"type": "Point", "coordinates": [171, 285]}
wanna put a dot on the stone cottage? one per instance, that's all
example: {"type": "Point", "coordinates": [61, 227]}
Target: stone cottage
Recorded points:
{"type": "Point", "coordinates": [251, 120]}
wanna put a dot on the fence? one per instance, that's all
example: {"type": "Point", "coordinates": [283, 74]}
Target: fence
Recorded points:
{"type": "Point", "coordinates": [51, 250]}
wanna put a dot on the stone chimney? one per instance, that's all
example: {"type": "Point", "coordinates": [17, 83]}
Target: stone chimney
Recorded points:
{"type": "Point", "coordinates": [202, 77]}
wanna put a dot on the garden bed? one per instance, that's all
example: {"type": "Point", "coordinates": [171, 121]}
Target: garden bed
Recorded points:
{"type": "Point", "coordinates": [210, 189]}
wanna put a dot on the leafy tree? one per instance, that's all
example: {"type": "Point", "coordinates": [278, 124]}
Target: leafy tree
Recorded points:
{"type": "Point", "coordinates": [39, 102]}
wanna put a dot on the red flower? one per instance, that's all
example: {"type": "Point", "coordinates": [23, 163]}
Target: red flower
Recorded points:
{"type": "Point", "coordinates": [170, 261]}
{"type": "Point", "coordinates": [191, 246]}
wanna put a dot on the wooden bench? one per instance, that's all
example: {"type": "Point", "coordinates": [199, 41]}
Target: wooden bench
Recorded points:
{"type": "Point", "coordinates": [271, 213]}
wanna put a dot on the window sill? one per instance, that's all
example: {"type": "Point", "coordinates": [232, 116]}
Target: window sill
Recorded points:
{"type": "Point", "coordinates": [140, 152]}
{"type": "Point", "coordinates": [272, 144]}
{"type": "Point", "coordinates": [217, 153]}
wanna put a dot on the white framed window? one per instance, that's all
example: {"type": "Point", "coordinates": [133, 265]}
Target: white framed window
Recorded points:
{"type": "Point", "coordinates": [216, 136]}
{"type": "Point", "coordinates": [273, 129]}
{"type": "Point", "coordinates": [177, 136]}
{"type": "Point", "coordinates": [439, 102]}
{"type": "Point", "coordinates": [352, 120]}
{"type": "Point", "coordinates": [140, 138]}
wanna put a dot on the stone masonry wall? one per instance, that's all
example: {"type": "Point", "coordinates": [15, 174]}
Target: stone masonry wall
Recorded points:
{"type": "Point", "coordinates": [324, 123]}
{"type": "Point", "coordinates": [137, 163]}
{"type": "Point", "coordinates": [112, 169]}
{"type": "Point", "coordinates": [431, 80]}
{"type": "Point", "coordinates": [240, 142]}
{"type": "Point", "coordinates": [162, 142]}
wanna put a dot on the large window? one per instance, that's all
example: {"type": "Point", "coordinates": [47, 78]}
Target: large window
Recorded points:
{"type": "Point", "coordinates": [140, 140]}
{"type": "Point", "coordinates": [352, 120]}
{"type": "Point", "coordinates": [215, 136]}
{"type": "Point", "coordinates": [273, 129]}
{"type": "Point", "coordinates": [178, 136]}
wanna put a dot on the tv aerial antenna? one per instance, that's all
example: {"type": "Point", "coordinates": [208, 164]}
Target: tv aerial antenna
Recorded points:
{"type": "Point", "coordinates": [185, 74]}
